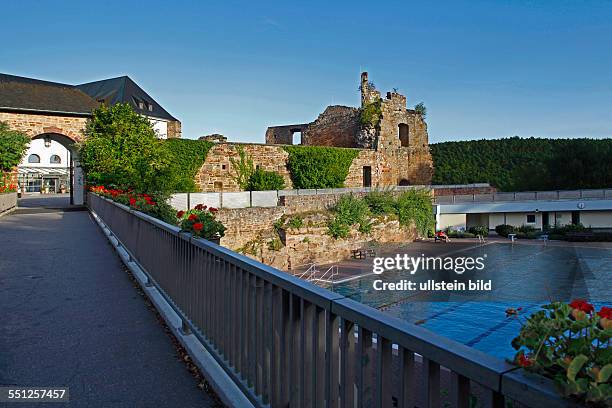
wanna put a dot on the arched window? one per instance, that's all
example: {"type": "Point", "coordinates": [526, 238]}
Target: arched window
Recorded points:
{"type": "Point", "coordinates": [403, 134]}
{"type": "Point", "coordinates": [34, 158]}
{"type": "Point", "coordinates": [55, 159]}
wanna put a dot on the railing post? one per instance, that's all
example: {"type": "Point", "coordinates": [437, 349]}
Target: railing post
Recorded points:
{"type": "Point", "coordinates": [188, 201]}
{"type": "Point", "coordinates": [250, 199]}
{"type": "Point", "coordinates": [220, 199]}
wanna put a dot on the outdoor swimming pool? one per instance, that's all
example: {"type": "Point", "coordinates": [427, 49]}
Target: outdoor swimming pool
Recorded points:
{"type": "Point", "coordinates": [522, 275]}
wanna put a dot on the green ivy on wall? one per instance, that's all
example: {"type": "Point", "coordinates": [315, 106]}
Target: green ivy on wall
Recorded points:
{"type": "Point", "coordinates": [370, 114]}
{"type": "Point", "coordinates": [187, 158]}
{"type": "Point", "coordinates": [318, 166]}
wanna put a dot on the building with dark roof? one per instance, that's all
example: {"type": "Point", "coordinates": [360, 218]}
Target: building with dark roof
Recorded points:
{"type": "Point", "coordinates": [55, 115]}
{"type": "Point", "coordinates": [27, 100]}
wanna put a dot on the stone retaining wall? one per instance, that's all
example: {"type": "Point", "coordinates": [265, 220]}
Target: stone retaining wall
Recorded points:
{"type": "Point", "coordinates": [8, 201]}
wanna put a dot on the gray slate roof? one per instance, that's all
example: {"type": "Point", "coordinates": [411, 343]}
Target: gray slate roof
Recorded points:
{"type": "Point", "coordinates": [124, 90]}
{"type": "Point", "coordinates": [20, 93]}
{"type": "Point", "coordinates": [28, 94]}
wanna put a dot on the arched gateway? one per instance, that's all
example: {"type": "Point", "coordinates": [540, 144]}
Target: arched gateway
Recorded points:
{"type": "Point", "coordinates": [58, 113]}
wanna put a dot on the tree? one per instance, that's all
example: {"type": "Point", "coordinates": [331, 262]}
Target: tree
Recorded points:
{"type": "Point", "coordinates": [421, 109]}
{"type": "Point", "coordinates": [13, 145]}
{"type": "Point", "coordinates": [122, 149]}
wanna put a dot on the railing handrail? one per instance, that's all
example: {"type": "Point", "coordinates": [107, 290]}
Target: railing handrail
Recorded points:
{"type": "Point", "coordinates": [461, 359]}
{"type": "Point", "coordinates": [511, 196]}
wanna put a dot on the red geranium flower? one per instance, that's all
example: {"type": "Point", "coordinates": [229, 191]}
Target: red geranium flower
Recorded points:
{"type": "Point", "coordinates": [192, 217]}
{"type": "Point", "coordinates": [198, 226]}
{"type": "Point", "coordinates": [212, 209]}
{"type": "Point", "coordinates": [605, 313]}
{"type": "Point", "coordinates": [132, 201]}
{"type": "Point", "coordinates": [180, 214]}
{"type": "Point", "coordinates": [524, 361]}
{"type": "Point", "coordinates": [582, 305]}
{"type": "Point", "coordinates": [200, 207]}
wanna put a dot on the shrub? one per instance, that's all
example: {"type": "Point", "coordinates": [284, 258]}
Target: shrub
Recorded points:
{"type": "Point", "coordinates": [262, 180]}
{"type": "Point", "coordinates": [381, 202]}
{"type": "Point", "coordinates": [421, 109]}
{"type": "Point", "coordinates": [13, 145]}
{"type": "Point", "coordinates": [318, 166]}
{"type": "Point", "coordinates": [155, 204]}
{"type": "Point", "coordinates": [370, 114]}
{"type": "Point", "coordinates": [415, 206]}
{"type": "Point", "coordinates": [122, 149]}
{"type": "Point", "coordinates": [295, 222]}
{"type": "Point", "coordinates": [505, 229]}
{"type": "Point", "coordinates": [479, 230]}
{"type": "Point", "coordinates": [201, 222]}
{"type": "Point", "coordinates": [460, 234]}
{"type": "Point", "coordinates": [187, 157]}
{"type": "Point", "coordinates": [338, 229]}
{"type": "Point", "coordinates": [275, 244]}
{"type": "Point", "coordinates": [570, 344]}
{"type": "Point", "coordinates": [526, 229]}
{"type": "Point", "coordinates": [349, 211]}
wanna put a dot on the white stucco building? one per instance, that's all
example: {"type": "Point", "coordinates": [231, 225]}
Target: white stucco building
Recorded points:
{"type": "Point", "coordinates": [45, 167]}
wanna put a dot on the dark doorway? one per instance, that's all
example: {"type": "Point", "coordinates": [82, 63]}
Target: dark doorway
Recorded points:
{"type": "Point", "coordinates": [403, 134]}
{"type": "Point", "coordinates": [404, 182]}
{"type": "Point", "coordinates": [545, 220]}
{"type": "Point", "coordinates": [367, 176]}
{"type": "Point", "coordinates": [575, 217]}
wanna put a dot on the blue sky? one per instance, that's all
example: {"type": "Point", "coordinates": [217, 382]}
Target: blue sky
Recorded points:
{"type": "Point", "coordinates": [484, 69]}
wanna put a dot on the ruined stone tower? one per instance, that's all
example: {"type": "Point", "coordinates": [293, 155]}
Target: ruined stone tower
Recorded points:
{"type": "Point", "coordinates": [394, 138]}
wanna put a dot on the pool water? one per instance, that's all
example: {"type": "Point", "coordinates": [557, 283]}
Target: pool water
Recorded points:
{"type": "Point", "coordinates": [522, 275]}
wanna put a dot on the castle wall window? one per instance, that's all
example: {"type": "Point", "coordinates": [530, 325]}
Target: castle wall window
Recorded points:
{"type": "Point", "coordinates": [55, 159]}
{"type": "Point", "coordinates": [34, 158]}
{"type": "Point", "coordinates": [403, 134]}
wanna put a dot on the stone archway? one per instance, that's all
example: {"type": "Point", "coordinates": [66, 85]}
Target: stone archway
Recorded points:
{"type": "Point", "coordinates": [76, 175]}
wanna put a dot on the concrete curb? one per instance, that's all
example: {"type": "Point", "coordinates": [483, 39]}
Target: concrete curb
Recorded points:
{"type": "Point", "coordinates": [229, 393]}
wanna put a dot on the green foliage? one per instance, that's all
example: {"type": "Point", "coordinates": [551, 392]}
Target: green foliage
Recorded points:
{"type": "Point", "coordinates": [275, 244]}
{"type": "Point", "coordinates": [243, 168]}
{"type": "Point", "coordinates": [337, 229]}
{"type": "Point", "coordinates": [319, 167]}
{"type": "Point", "coordinates": [505, 229]}
{"type": "Point", "coordinates": [122, 149]}
{"type": "Point", "coordinates": [515, 164]}
{"type": "Point", "coordinates": [370, 114]}
{"type": "Point", "coordinates": [262, 180]}
{"type": "Point", "coordinates": [201, 222]}
{"type": "Point", "coordinates": [569, 343]}
{"type": "Point", "coordinates": [187, 157]}
{"type": "Point", "coordinates": [13, 145]}
{"type": "Point", "coordinates": [295, 222]}
{"type": "Point", "coordinates": [421, 109]}
{"type": "Point", "coordinates": [380, 202]}
{"type": "Point", "coordinates": [479, 230]}
{"type": "Point", "coordinates": [349, 211]}
{"type": "Point", "coordinates": [415, 207]}
{"type": "Point", "coordinates": [250, 178]}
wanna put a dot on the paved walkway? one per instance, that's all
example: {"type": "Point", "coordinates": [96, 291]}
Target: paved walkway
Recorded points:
{"type": "Point", "coordinates": [69, 316]}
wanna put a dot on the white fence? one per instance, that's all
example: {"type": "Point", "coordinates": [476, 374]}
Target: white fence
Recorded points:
{"type": "Point", "coordinates": [245, 199]}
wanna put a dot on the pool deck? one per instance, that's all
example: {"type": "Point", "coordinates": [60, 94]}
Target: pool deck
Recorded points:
{"type": "Point", "coordinates": [353, 269]}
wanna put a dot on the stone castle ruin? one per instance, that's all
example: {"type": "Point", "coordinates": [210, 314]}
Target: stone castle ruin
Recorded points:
{"type": "Point", "coordinates": [392, 141]}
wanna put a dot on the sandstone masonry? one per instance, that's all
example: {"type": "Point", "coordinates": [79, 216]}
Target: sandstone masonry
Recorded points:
{"type": "Point", "coordinates": [393, 151]}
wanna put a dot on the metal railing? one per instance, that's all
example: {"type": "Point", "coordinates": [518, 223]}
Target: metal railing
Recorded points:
{"type": "Point", "coordinates": [596, 194]}
{"type": "Point", "coordinates": [286, 342]}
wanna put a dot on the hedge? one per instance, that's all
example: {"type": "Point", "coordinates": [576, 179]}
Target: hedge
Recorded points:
{"type": "Point", "coordinates": [318, 166]}
{"type": "Point", "coordinates": [187, 158]}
